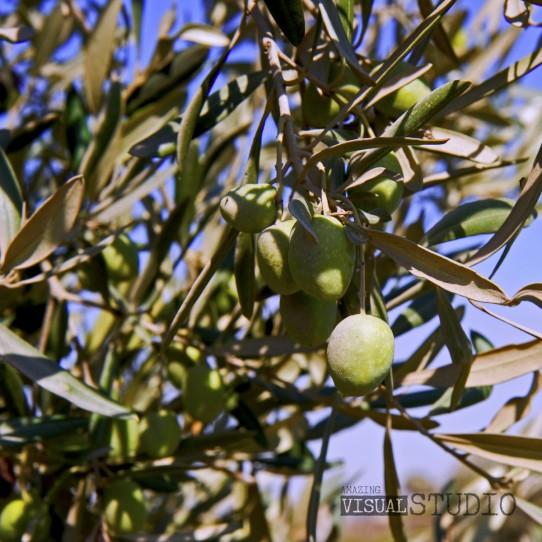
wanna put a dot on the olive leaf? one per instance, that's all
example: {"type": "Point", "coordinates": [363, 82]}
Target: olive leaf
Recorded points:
{"type": "Point", "coordinates": [11, 203]}
{"type": "Point", "coordinates": [334, 28]}
{"type": "Point", "coordinates": [440, 270]}
{"type": "Point", "coordinates": [218, 106]}
{"type": "Point", "coordinates": [392, 486]}
{"type": "Point", "coordinates": [511, 450]}
{"type": "Point", "coordinates": [489, 368]}
{"type": "Point", "coordinates": [521, 211]}
{"type": "Point", "coordinates": [48, 375]}
{"type": "Point", "coordinates": [288, 14]}
{"type": "Point", "coordinates": [47, 228]}
{"type": "Point", "coordinates": [472, 218]}
{"type": "Point", "coordinates": [98, 54]}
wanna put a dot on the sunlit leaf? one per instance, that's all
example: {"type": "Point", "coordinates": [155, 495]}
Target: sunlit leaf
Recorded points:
{"type": "Point", "coordinates": [48, 375]}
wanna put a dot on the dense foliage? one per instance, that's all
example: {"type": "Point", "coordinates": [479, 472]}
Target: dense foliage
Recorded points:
{"type": "Point", "coordinates": [199, 253]}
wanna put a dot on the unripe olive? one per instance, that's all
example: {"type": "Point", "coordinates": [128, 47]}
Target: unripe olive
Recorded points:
{"type": "Point", "coordinates": [249, 208]}
{"type": "Point", "coordinates": [272, 255]}
{"type": "Point", "coordinates": [380, 192]}
{"type": "Point", "coordinates": [160, 434]}
{"type": "Point", "coordinates": [360, 353]}
{"type": "Point", "coordinates": [121, 259]}
{"type": "Point", "coordinates": [307, 320]}
{"type": "Point", "coordinates": [203, 393]}
{"type": "Point", "coordinates": [17, 516]}
{"type": "Point", "coordinates": [321, 268]}
{"type": "Point", "coordinates": [124, 440]}
{"type": "Point", "coordinates": [319, 110]}
{"type": "Point", "coordinates": [404, 98]}
{"type": "Point", "coordinates": [180, 358]}
{"type": "Point", "coordinates": [124, 507]}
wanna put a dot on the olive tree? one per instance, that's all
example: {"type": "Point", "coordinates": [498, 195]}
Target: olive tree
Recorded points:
{"type": "Point", "coordinates": [211, 241]}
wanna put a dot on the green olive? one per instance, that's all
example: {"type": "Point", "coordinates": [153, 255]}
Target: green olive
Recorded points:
{"type": "Point", "coordinates": [321, 268]}
{"type": "Point", "coordinates": [360, 353]}
{"type": "Point", "coordinates": [272, 254]}
{"type": "Point", "coordinates": [249, 208]}
{"type": "Point", "coordinates": [203, 393]}
{"type": "Point", "coordinates": [16, 517]}
{"type": "Point", "coordinates": [124, 507]}
{"type": "Point", "coordinates": [160, 434]}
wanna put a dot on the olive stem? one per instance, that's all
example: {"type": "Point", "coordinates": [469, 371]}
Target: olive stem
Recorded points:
{"type": "Point", "coordinates": [362, 285]}
{"type": "Point", "coordinates": [314, 500]}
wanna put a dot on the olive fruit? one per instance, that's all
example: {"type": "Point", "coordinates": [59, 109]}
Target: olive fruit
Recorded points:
{"type": "Point", "coordinates": [360, 353]}
{"type": "Point", "coordinates": [203, 393]}
{"type": "Point", "coordinates": [16, 518]}
{"type": "Point", "coordinates": [124, 439]}
{"type": "Point", "coordinates": [160, 434]}
{"type": "Point", "coordinates": [180, 358]}
{"type": "Point", "coordinates": [380, 192]}
{"type": "Point", "coordinates": [272, 255]}
{"type": "Point", "coordinates": [319, 110]}
{"type": "Point", "coordinates": [121, 259]}
{"type": "Point", "coordinates": [321, 268]}
{"type": "Point", "coordinates": [307, 320]}
{"type": "Point", "coordinates": [124, 507]}
{"type": "Point", "coordinates": [404, 98]}
{"type": "Point", "coordinates": [249, 208]}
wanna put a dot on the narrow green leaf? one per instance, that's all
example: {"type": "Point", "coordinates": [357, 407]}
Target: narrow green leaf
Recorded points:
{"type": "Point", "coordinates": [11, 203]}
{"type": "Point", "coordinates": [419, 312]}
{"type": "Point", "coordinates": [217, 107]}
{"type": "Point", "coordinates": [366, 10]}
{"type": "Point", "coordinates": [440, 270]}
{"type": "Point", "coordinates": [335, 31]}
{"type": "Point", "coordinates": [12, 390]}
{"type": "Point", "coordinates": [47, 228]}
{"type": "Point", "coordinates": [516, 408]}
{"type": "Point", "coordinates": [98, 53]}
{"type": "Point", "coordinates": [531, 292]}
{"type": "Point", "coordinates": [511, 450]}
{"type": "Point", "coordinates": [521, 211]}
{"type": "Point", "coordinates": [489, 368]}
{"type": "Point", "coordinates": [461, 146]}
{"type": "Point", "coordinates": [415, 118]}
{"type": "Point", "coordinates": [532, 510]}
{"type": "Point", "coordinates": [32, 429]}
{"type": "Point", "coordinates": [456, 342]}
{"type": "Point", "coordinates": [170, 78]}
{"type": "Point", "coordinates": [289, 16]}
{"type": "Point", "coordinates": [345, 9]}
{"type": "Point", "coordinates": [203, 35]}
{"type": "Point", "coordinates": [473, 218]}
{"type": "Point", "coordinates": [499, 81]}
{"type": "Point", "coordinates": [138, 7]}
{"type": "Point", "coordinates": [105, 130]}
{"type": "Point", "coordinates": [224, 101]}
{"type": "Point", "coordinates": [439, 35]}
{"type": "Point", "coordinates": [244, 271]}
{"type": "Point", "coordinates": [391, 483]}
{"type": "Point", "coordinates": [47, 374]}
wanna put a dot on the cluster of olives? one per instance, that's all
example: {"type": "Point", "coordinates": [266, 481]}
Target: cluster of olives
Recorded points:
{"type": "Point", "coordinates": [311, 271]}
